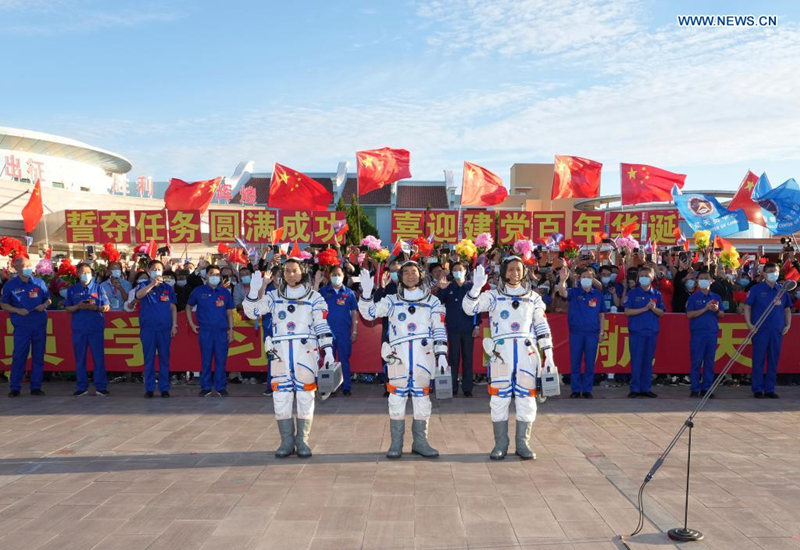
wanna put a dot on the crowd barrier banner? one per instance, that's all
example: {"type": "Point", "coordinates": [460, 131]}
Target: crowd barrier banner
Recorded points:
{"type": "Point", "coordinates": [124, 350]}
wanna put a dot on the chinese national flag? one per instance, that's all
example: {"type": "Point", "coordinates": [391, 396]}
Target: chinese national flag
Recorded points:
{"type": "Point", "coordinates": [379, 167]}
{"type": "Point", "coordinates": [575, 178]}
{"type": "Point", "coordinates": [32, 212]}
{"type": "Point", "coordinates": [642, 183]}
{"type": "Point", "coordinates": [294, 190]}
{"type": "Point", "coordinates": [480, 187]}
{"type": "Point", "coordinates": [722, 244]}
{"type": "Point", "coordinates": [743, 200]}
{"type": "Point", "coordinates": [181, 195]}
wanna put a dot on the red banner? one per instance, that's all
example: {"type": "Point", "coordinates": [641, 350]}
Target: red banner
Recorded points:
{"type": "Point", "coordinates": [298, 225]}
{"type": "Point", "coordinates": [661, 226]}
{"type": "Point", "coordinates": [259, 224]}
{"type": "Point", "coordinates": [618, 220]}
{"type": "Point", "coordinates": [407, 224]}
{"type": "Point", "coordinates": [80, 225]}
{"type": "Point", "coordinates": [475, 222]}
{"type": "Point", "coordinates": [585, 225]}
{"type": "Point", "coordinates": [113, 226]}
{"type": "Point", "coordinates": [151, 225]}
{"type": "Point", "coordinates": [509, 223]}
{"type": "Point", "coordinates": [544, 224]}
{"type": "Point", "coordinates": [443, 225]}
{"type": "Point", "coordinates": [124, 351]}
{"type": "Point", "coordinates": [184, 227]}
{"type": "Point", "coordinates": [224, 225]}
{"type": "Point", "coordinates": [322, 227]}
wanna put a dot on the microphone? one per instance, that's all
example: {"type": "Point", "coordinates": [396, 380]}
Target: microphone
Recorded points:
{"type": "Point", "coordinates": [789, 286]}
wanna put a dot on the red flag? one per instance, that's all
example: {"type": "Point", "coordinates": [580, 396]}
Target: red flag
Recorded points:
{"type": "Point", "coordinates": [181, 195]}
{"type": "Point", "coordinates": [294, 190]}
{"type": "Point", "coordinates": [575, 178]}
{"type": "Point", "coordinates": [642, 183]}
{"type": "Point", "coordinates": [628, 230]}
{"type": "Point", "coordinates": [33, 211]}
{"type": "Point", "coordinates": [480, 187]}
{"type": "Point", "coordinates": [599, 236]}
{"type": "Point", "coordinates": [379, 167]}
{"type": "Point", "coordinates": [295, 253]}
{"type": "Point", "coordinates": [277, 235]}
{"type": "Point", "coordinates": [743, 200]}
{"type": "Point", "coordinates": [722, 244]}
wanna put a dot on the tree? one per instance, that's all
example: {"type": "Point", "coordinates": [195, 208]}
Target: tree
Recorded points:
{"type": "Point", "coordinates": [359, 223]}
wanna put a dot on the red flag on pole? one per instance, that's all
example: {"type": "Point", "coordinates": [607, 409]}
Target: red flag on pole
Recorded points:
{"type": "Point", "coordinates": [181, 195]}
{"type": "Point", "coordinates": [641, 183]}
{"type": "Point", "coordinates": [295, 253]}
{"type": "Point", "coordinates": [480, 187]}
{"type": "Point", "coordinates": [277, 235]}
{"type": "Point", "coordinates": [32, 212]}
{"type": "Point", "coordinates": [742, 200]}
{"type": "Point", "coordinates": [379, 167]}
{"type": "Point", "coordinates": [575, 178]}
{"type": "Point", "coordinates": [294, 190]}
{"type": "Point", "coordinates": [722, 244]}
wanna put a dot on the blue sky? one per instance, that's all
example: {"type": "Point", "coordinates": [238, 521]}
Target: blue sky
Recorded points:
{"type": "Point", "coordinates": [188, 89]}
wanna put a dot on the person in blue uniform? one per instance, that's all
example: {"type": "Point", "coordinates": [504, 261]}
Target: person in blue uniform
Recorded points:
{"type": "Point", "coordinates": [586, 320]}
{"type": "Point", "coordinates": [87, 301]}
{"type": "Point", "coordinates": [343, 320]}
{"type": "Point", "coordinates": [462, 329]}
{"type": "Point", "coordinates": [215, 317]}
{"type": "Point", "coordinates": [26, 298]}
{"type": "Point", "coordinates": [767, 341]}
{"type": "Point", "coordinates": [644, 308]}
{"type": "Point", "coordinates": [703, 310]}
{"type": "Point", "coordinates": [158, 324]}
{"type": "Point", "coordinates": [116, 286]}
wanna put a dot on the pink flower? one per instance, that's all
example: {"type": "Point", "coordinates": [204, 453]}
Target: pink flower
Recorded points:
{"type": "Point", "coordinates": [305, 255]}
{"type": "Point", "coordinates": [361, 257]}
{"type": "Point", "coordinates": [524, 247]}
{"type": "Point", "coordinates": [44, 267]}
{"type": "Point", "coordinates": [484, 240]}
{"type": "Point", "coordinates": [626, 242]}
{"type": "Point", "coordinates": [371, 242]}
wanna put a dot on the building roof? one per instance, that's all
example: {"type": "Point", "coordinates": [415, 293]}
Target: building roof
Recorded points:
{"type": "Point", "coordinates": [39, 143]}
{"type": "Point", "coordinates": [382, 196]}
{"type": "Point", "coordinates": [261, 183]}
{"type": "Point", "coordinates": [422, 196]}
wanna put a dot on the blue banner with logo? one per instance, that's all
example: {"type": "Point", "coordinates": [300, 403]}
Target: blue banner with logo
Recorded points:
{"type": "Point", "coordinates": [780, 206]}
{"type": "Point", "coordinates": [704, 212]}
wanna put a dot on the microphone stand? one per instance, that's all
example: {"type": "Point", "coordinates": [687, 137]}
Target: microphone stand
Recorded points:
{"type": "Point", "coordinates": [684, 534]}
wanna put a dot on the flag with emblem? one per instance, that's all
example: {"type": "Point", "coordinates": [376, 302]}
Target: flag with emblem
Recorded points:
{"type": "Point", "coordinates": [181, 195]}
{"type": "Point", "coordinates": [293, 190]}
{"type": "Point", "coordinates": [641, 183]}
{"type": "Point", "coordinates": [32, 212]}
{"type": "Point", "coordinates": [575, 178]}
{"type": "Point", "coordinates": [379, 167]}
{"type": "Point", "coordinates": [480, 187]}
{"type": "Point", "coordinates": [780, 206]}
{"type": "Point", "coordinates": [743, 200]}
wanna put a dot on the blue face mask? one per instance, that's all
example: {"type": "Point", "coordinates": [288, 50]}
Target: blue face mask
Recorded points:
{"type": "Point", "coordinates": [644, 281]}
{"type": "Point", "coordinates": [393, 276]}
{"type": "Point", "coordinates": [690, 284]}
{"type": "Point", "coordinates": [63, 293]}
{"type": "Point", "coordinates": [744, 282]}
{"type": "Point", "coordinates": [86, 278]}
{"type": "Point", "coordinates": [116, 273]}
{"type": "Point", "coordinates": [246, 280]}
{"type": "Point", "coordinates": [155, 274]}
{"type": "Point", "coordinates": [613, 277]}
{"type": "Point", "coordinates": [213, 280]}
{"type": "Point", "coordinates": [203, 273]}
{"type": "Point", "coordinates": [586, 284]}
{"type": "Point", "coordinates": [772, 277]}
{"type": "Point", "coordinates": [337, 281]}
{"type": "Point", "coordinates": [27, 271]}
{"type": "Point", "coordinates": [704, 283]}
{"type": "Point", "coordinates": [605, 280]}
{"type": "Point", "coordinates": [458, 275]}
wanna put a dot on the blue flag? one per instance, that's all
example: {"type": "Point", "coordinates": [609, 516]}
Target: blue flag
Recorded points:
{"type": "Point", "coordinates": [704, 212]}
{"type": "Point", "coordinates": [780, 206]}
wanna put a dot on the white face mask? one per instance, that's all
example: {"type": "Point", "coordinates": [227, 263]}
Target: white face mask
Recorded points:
{"type": "Point", "coordinates": [458, 275]}
{"type": "Point", "coordinates": [586, 284]}
{"type": "Point", "coordinates": [337, 281]}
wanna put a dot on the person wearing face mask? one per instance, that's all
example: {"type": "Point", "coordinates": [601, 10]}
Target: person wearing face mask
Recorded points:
{"type": "Point", "coordinates": [644, 307]}
{"type": "Point", "coordinates": [388, 287]}
{"type": "Point", "coordinates": [703, 310]}
{"type": "Point", "coordinates": [116, 286]}
{"type": "Point", "coordinates": [215, 316]}
{"type": "Point", "coordinates": [417, 347]}
{"type": "Point", "coordinates": [300, 331]}
{"type": "Point", "coordinates": [26, 298]}
{"type": "Point", "coordinates": [343, 320]}
{"type": "Point", "coordinates": [240, 291]}
{"type": "Point", "coordinates": [87, 301]}
{"type": "Point", "coordinates": [767, 341]}
{"type": "Point", "coordinates": [585, 317]}
{"type": "Point", "coordinates": [182, 289]}
{"type": "Point", "coordinates": [608, 289]}
{"type": "Point", "coordinates": [462, 329]}
{"type": "Point", "coordinates": [519, 331]}
{"type": "Point", "coordinates": [158, 324]}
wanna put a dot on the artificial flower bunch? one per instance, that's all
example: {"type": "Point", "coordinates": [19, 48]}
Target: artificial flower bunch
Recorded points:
{"type": "Point", "coordinates": [702, 239]}
{"type": "Point", "coordinates": [484, 241]}
{"type": "Point", "coordinates": [466, 250]}
{"type": "Point", "coordinates": [730, 258]}
{"type": "Point", "coordinates": [569, 248]}
{"type": "Point", "coordinates": [11, 247]}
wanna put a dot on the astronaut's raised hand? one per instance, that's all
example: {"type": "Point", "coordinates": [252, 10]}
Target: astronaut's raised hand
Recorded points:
{"type": "Point", "coordinates": [367, 284]}
{"type": "Point", "coordinates": [549, 364]}
{"type": "Point", "coordinates": [255, 285]}
{"type": "Point", "coordinates": [479, 279]}
{"type": "Point", "coordinates": [441, 363]}
{"type": "Point", "coordinates": [328, 360]}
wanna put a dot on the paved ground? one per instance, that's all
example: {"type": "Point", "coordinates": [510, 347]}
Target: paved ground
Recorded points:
{"type": "Point", "coordinates": [126, 472]}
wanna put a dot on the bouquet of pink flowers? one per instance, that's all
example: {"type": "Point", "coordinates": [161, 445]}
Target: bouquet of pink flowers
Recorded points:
{"type": "Point", "coordinates": [372, 243]}
{"type": "Point", "coordinates": [626, 242]}
{"type": "Point", "coordinates": [524, 247]}
{"type": "Point", "coordinates": [484, 241]}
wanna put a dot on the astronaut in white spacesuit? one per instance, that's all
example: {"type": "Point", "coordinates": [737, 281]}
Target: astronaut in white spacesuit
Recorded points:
{"type": "Point", "coordinates": [417, 346]}
{"type": "Point", "coordinates": [519, 329]}
{"type": "Point", "coordinates": [299, 332]}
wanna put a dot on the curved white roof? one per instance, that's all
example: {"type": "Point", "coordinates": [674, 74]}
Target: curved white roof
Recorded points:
{"type": "Point", "coordinates": [56, 146]}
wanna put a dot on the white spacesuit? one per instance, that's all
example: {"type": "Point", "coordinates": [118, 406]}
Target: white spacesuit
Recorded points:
{"type": "Point", "coordinates": [519, 329]}
{"type": "Point", "coordinates": [299, 331]}
{"type": "Point", "coordinates": [417, 345]}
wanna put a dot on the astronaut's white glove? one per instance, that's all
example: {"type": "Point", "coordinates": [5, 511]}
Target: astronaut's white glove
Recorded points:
{"type": "Point", "coordinates": [328, 360]}
{"type": "Point", "coordinates": [367, 284]}
{"type": "Point", "coordinates": [255, 285]}
{"type": "Point", "coordinates": [441, 363]}
{"type": "Point", "coordinates": [479, 279]}
{"type": "Point", "coordinates": [549, 364]}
